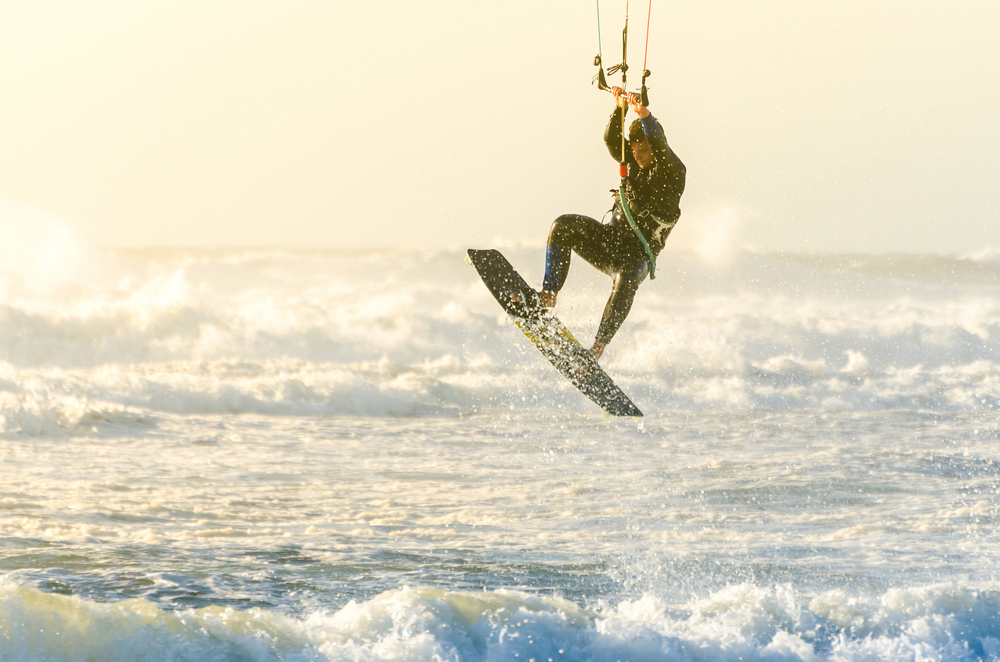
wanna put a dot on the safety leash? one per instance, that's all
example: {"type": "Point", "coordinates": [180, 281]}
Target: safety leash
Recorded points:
{"type": "Point", "coordinates": [623, 201]}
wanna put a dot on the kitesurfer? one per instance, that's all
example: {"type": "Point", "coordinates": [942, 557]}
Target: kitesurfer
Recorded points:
{"type": "Point", "coordinates": [653, 189]}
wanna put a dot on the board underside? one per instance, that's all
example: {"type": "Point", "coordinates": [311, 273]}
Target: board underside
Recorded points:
{"type": "Point", "coordinates": [548, 334]}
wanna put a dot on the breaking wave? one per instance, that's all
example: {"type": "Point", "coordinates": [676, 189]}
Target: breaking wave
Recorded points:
{"type": "Point", "coordinates": [742, 622]}
{"type": "Point", "coordinates": [409, 332]}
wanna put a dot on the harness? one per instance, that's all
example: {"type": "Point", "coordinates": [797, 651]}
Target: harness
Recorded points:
{"type": "Point", "coordinates": [662, 227]}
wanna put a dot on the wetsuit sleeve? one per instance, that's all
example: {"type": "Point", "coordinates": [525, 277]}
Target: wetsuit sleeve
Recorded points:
{"type": "Point", "coordinates": [613, 139]}
{"type": "Point", "coordinates": [654, 133]}
{"type": "Point", "coordinates": [671, 166]}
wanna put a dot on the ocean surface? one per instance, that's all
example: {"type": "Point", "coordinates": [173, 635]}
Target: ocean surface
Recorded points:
{"type": "Point", "coordinates": [319, 455]}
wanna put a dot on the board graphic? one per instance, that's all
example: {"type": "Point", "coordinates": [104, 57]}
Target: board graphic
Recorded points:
{"type": "Point", "coordinates": [549, 335]}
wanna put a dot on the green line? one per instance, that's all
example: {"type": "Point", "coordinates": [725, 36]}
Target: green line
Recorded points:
{"type": "Point", "coordinates": [599, 27]}
{"type": "Point", "coordinates": [638, 233]}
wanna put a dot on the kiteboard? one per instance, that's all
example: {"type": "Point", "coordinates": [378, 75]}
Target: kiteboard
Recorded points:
{"type": "Point", "coordinates": [549, 335]}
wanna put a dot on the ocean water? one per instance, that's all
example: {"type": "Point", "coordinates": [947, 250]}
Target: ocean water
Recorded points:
{"type": "Point", "coordinates": [319, 455]}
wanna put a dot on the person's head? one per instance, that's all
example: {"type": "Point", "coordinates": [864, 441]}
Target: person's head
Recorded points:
{"type": "Point", "coordinates": [641, 150]}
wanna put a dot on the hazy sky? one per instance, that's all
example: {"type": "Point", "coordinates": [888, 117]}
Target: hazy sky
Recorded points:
{"type": "Point", "coordinates": [850, 126]}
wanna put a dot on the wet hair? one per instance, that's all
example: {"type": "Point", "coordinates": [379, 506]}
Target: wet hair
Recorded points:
{"type": "Point", "coordinates": [636, 132]}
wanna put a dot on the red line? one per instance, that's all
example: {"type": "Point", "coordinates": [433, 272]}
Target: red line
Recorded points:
{"type": "Point", "coordinates": [647, 36]}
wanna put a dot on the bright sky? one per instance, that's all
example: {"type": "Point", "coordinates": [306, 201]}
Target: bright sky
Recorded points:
{"type": "Point", "coordinates": [856, 126]}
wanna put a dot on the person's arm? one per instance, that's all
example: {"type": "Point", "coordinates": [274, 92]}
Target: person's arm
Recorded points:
{"type": "Point", "coordinates": [654, 134]}
{"type": "Point", "coordinates": [613, 137]}
{"type": "Point", "coordinates": [650, 126]}
{"type": "Point", "coordinates": [613, 132]}
{"type": "Point", "coordinates": [658, 141]}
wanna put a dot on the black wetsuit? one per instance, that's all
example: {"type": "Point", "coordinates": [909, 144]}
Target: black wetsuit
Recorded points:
{"type": "Point", "coordinates": [653, 194]}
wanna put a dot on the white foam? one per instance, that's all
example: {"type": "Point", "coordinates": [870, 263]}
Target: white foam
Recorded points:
{"type": "Point", "coordinates": [412, 332]}
{"type": "Point", "coordinates": [738, 623]}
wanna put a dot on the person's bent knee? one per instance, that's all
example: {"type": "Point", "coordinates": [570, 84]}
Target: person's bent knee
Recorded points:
{"type": "Point", "coordinates": [563, 230]}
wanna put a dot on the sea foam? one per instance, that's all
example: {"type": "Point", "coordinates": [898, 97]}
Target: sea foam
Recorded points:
{"type": "Point", "coordinates": [741, 622]}
{"type": "Point", "coordinates": [411, 332]}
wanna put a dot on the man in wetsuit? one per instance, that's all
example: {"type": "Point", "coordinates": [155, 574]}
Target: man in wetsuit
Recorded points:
{"type": "Point", "coordinates": [653, 190]}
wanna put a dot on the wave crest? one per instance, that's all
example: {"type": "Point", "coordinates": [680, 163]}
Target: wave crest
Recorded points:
{"type": "Point", "coordinates": [739, 623]}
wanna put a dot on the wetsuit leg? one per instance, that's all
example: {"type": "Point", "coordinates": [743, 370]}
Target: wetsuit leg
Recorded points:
{"type": "Point", "coordinates": [620, 303]}
{"type": "Point", "coordinates": [587, 237]}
